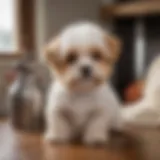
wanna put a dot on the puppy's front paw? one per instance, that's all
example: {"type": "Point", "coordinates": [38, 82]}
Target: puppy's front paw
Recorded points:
{"type": "Point", "coordinates": [96, 139]}
{"type": "Point", "coordinates": [55, 138]}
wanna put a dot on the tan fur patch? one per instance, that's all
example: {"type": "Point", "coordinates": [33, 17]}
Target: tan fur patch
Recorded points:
{"type": "Point", "coordinates": [52, 55]}
{"type": "Point", "coordinates": [114, 45]}
{"type": "Point", "coordinates": [104, 57]}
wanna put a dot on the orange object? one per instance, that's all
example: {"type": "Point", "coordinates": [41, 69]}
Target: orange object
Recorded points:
{"type": "Point", "coordinates": [134, 91]}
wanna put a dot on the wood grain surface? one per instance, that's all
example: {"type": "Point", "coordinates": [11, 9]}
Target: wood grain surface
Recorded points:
{"type": "Point", "coordinates": [26, 146]}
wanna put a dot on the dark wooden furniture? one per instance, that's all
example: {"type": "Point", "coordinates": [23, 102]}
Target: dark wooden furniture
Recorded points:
{"type": "Point", "coordinates": [131, 9]}
{"type": "Point", "coordinates": [134, 20]}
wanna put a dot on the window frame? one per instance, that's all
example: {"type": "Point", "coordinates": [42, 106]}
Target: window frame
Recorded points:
{"type": "Point", "coordinates": [24, 25]}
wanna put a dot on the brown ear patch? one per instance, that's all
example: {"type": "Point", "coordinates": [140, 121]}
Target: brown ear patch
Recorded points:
{"type": "Point", "coordinates": [114, 46]}
{"type": "Point", "coordinates": [52, 54]}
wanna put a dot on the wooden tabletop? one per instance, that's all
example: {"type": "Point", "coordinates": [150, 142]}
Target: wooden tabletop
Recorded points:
{"type": "Point", "coordinates": [26, 146]}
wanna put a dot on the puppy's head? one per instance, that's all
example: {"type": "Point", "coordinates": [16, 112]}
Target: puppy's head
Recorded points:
{"type": "Point", "coordinates": [82, 56]}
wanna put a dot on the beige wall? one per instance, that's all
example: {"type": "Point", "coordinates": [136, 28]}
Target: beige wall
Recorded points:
{"type": "Point", "coordinates": [60, 13]}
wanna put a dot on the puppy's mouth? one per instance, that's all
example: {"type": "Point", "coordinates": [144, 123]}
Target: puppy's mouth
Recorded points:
{"type": "Point", "coordinates": [87, 78]}
{"type": "Point", "coordinates": [85, 81]}
{"type": "Point", "coordinates": [85, 84]}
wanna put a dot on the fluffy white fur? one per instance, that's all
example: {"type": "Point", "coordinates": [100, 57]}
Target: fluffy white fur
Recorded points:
{"type": "Point", "coordinates": [146, 112]}
{"type": "Point", "coordinates": [93, 113]}
{"type": "Point", "coordinates": [87, 109]}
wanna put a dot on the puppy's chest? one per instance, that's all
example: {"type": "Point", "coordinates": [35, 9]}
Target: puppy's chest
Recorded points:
{"type": "Point", "coordinates": [81, 107]}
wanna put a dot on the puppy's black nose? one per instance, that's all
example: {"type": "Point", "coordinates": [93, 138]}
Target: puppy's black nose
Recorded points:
{"type": "Point", "coordinates": [86, 71]}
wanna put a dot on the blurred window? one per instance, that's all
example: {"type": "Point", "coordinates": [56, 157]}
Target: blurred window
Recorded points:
{"type": "Point", "coordinates": [7, 26]}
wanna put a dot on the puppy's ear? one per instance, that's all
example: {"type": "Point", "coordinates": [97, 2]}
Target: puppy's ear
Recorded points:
{"type": "Point", "coordinates": [52, 53]}
{"type": "Point", "coordinates": [114, 47]}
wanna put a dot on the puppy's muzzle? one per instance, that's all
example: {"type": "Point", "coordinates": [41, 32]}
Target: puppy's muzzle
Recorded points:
{"type": "Point", "coordinates": [86, 71]}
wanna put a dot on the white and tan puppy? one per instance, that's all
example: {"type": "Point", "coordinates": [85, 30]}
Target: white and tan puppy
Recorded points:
{"type": "Point", "coordinates": [146, 112]}
{"type": "Point", "coordinates": [80, 100]}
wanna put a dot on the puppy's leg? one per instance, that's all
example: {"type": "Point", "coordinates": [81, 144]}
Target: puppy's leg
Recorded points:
{"type": "Point", "coordinates": [58, 129]}
{"type": "Point", "coordinates": [97, 130]}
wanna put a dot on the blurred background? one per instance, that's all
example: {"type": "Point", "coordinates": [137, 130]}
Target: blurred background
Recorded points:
{"type": "Point", "coordinates": [27, 25]}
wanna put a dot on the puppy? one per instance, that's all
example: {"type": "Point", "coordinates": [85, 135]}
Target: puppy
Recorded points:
{"type": "Point", "coordinates": [145, 112]}
{"type": "Point", "coordinates": [80, 99]}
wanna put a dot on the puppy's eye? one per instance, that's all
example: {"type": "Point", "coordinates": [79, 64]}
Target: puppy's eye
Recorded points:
{"type": "Point", "coordinates": [72, 57]}
{"type": "Point", "coordinates": [96, 55]}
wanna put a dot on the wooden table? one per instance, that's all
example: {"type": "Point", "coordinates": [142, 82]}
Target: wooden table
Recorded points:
{"type": "Point", "coordinates": [25, 146]}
